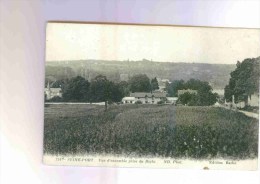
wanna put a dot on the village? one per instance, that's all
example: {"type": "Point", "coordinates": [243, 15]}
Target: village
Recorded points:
{"type": "Point", "coordinates": [176, 104]}
{"type": "Point", "coordinates": [160, 96]}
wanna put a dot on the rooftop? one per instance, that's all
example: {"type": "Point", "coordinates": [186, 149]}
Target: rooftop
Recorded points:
{"type": "Point", "coordinates": [150, 95]}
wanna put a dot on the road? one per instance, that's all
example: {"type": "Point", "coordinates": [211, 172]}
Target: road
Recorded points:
{"type": "Point", "coordinates": [249, 114]}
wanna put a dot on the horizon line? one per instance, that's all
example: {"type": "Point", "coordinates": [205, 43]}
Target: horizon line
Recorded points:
{"type": "Point", "coordinates": [142, 60]}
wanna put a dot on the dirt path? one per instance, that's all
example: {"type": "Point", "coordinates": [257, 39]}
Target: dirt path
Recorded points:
{"type": "Point", "coordinates": [249, 114]}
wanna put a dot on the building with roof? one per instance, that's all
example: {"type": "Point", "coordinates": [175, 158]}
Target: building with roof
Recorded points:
{"type": "Point", "coordinates": [250, 100]}
{"type": "Point", "coordinates": [145, 98]}
{"type": "Point", "coordinates": [50, 92]}
{"type": "Point", "coordinates": [171, 100]}
{"type": "Point", "coordinates": [191, 91]}
{"type": "Point", "coordinates": [128, 99]}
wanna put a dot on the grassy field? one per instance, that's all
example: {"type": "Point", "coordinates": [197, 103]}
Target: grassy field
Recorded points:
{"type": "Point", "coordinates": [150, 130]}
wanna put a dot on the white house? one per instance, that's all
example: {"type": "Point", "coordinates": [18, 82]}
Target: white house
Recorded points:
{"type": "Point", "coordinates": [128, 99]}
{"type": "Point", "coordinates": [145, 98]}
{"type": "Point", "coordinates": [171, 100]}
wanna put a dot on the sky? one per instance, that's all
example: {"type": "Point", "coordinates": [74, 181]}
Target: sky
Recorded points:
{"type": "Point", "coordinates": [77, 41]}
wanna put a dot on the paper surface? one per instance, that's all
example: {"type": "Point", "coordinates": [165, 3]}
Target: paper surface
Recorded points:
{"type": "Point", "coordinates": [151, 96]}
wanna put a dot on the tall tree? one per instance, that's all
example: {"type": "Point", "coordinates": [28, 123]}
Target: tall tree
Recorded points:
{"type": "Point", "coordinates": [154, 84]}
{"type": "Point", "coordinates": [228, 93]}
{"type": "Point", "coordinates": [204, 96]}
{"type": "Point", "coordinates": [103, 90]}
{"type": "Point", "coordinates": [244, 80]}
{"type": "Point", "coordinates": [99, 89]}
{"type": "Point", "coordinates": [124, 88]}
{"type": "Point", "coordinates": [77, 89]}
{"type": "Point", "coordinates": [140, 83]}
{"type": "Point", "coordinates": [173, 88]}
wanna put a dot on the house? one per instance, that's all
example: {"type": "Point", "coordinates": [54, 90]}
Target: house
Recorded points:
{"type": "Point", "coordinates": [181, 92]}
{"type": "Point", "coordinates": [145, 98]}
{"type": "Point", "coordinates": [127, 100]}
{"type": "Point", "coordinates": [220, 92]}
{"type": "Point", "coordinates": [171, 100]}
{"type": "Point", "coordinates": [251, 100]}
{"type": "Point", "coordinates": [52, 92]}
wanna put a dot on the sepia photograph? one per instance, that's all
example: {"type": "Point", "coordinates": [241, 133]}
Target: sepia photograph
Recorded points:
{"type": "Point", "coordinates": [156, 96]}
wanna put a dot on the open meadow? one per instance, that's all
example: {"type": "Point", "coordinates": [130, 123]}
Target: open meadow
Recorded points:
{"type": "Point", "coordinates": [149, 130]}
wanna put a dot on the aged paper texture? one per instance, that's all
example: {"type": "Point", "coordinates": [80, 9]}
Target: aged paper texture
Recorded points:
{"type": "Point", "coordinates": [153, 96]}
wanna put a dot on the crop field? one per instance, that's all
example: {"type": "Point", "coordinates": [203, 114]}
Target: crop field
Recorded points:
{"type": "Point", "coordinates": [150, 130]}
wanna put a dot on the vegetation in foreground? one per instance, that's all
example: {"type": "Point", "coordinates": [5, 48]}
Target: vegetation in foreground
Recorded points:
{"type": "Point", "coordinates": [150, 130]}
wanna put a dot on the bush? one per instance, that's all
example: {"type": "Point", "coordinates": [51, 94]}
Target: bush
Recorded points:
{"type": "Point", "coordinates": [56, 99]}
{"type": "Point", "coordinates": [250, 109]}
{"type": "Point", "coordinates": [161, 102]}
{"type": "Point", "coordinates": [138, 102]}
{"type": "Point", "coordinates": [150, 130]}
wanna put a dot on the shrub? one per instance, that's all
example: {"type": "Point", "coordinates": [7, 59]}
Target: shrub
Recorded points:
{"type": "Point", "coordinates": [166, 131]}
{"type": "Point", "coordinates": [160, 102]}
{"type": "Point", "coordinates": [138, 102]}
{"type": "Point", "coordinates": [56, 99]}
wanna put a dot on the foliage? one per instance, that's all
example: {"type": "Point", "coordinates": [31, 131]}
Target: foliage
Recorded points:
{"type": "Point", "coordinates": [250, 109]}
{"type": "Point", "coordinates": [102, 89]}
{"type": "Point", "coordinates": [176, 85]}
{"type": "Point", "coordinates": [244, 80]}
{"type": "Point", "coordinates": [99, 89]}
{"type": "Point", "coordinates": [216, 74]}
{"type": "Point", "coordinates": [188, 99]}
{"type": "Point", "coordinates": [154, 84]}
{"type": "Point", "coordinates": [140, 83]}
{"type": "Point", "coordinates": [59, 83]}
{"type": "Point", "coordinates": [228, 93]}
{"type": "Point", "coordinates": [77, 89]}
{"type": "Point", "coordinates": [204, 96]}
{"type": "Point", "coordinates": [138, 102]}
{"type": "Point", "coordinates": [55, 99]}
{"type": "Point", "coordinates": [161, 102]}
{"type": "Point", "coordinates": [60, 72]}
{"type": "Point", "coordinates": [124, 88]}
{"type": "Point", "coordinates": [149, 130]}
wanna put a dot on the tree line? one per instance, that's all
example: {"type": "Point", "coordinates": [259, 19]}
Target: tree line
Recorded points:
{"type": "Point", "coordinates": [244, 80]}
{"type": "Point", "coordinates": [203, 96]}
{"type": "Point", "coordinates": [100, 89]}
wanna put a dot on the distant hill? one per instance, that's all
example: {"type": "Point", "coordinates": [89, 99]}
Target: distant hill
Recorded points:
{"type": "Point", "coordinates": [216, 74]}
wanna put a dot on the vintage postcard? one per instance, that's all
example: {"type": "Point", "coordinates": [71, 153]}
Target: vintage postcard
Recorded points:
{"type": "Point", "coordinates": [153, 96]}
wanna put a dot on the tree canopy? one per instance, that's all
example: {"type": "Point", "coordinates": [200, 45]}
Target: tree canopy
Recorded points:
{"type": "Point", "coordinates": [77, 89]}
{"type": "Point", "coordinates": [140, 83]}
{"type": "Point", "coordinates": [154, 84]}
{"type": "Point", "coordinates": [244, 80]}
{"type": "Point", "coordinates": [173, 87]}
{"type": "Point", "coordinates": [100, 89]}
